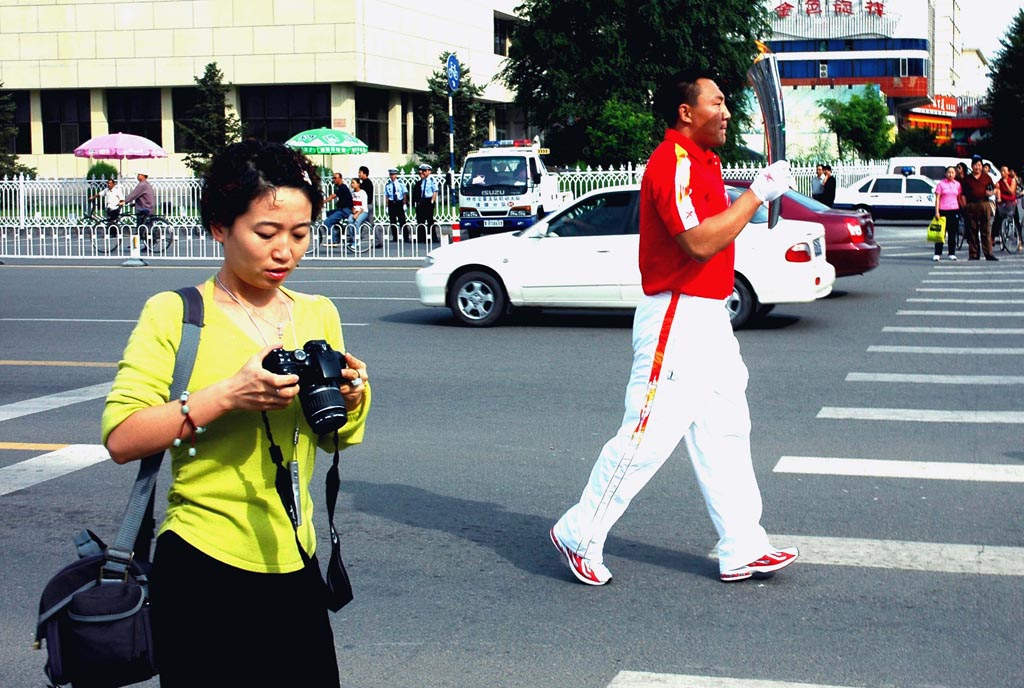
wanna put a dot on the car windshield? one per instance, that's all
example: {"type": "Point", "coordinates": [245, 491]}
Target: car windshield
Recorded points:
{"type": "Point", "coordinates": [760, 217]}
{"type": "Point", "coordinates": [494, 175]}
{"type": "Point", "coordinates": [807, 202]}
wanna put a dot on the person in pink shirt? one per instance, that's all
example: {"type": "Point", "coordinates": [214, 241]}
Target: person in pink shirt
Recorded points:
{"type": "Point", "coordinates": [947, 205]}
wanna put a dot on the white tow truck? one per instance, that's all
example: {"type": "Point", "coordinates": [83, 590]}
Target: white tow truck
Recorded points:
{"type": "Point", "coordinates": [504, 186]}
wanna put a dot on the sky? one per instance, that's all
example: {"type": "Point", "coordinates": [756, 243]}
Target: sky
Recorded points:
{"type": "Point", "coordinates": [983, 23]}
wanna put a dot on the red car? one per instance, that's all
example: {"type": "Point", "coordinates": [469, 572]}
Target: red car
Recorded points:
{"type": "Point", "coordinates": [849, 234]}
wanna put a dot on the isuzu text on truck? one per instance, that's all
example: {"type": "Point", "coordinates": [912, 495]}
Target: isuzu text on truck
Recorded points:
{"type": "Point", "coordinates": [504, 186]}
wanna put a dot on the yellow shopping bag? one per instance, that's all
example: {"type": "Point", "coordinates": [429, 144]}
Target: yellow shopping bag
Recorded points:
{"type": "Point", "coordinates": [937, 230]}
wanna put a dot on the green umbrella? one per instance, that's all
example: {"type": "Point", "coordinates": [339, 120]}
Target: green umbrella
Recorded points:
{"type": "Point", "coordinates": [325, 141]}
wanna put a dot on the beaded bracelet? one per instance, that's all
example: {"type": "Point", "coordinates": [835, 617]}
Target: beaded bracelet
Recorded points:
{"type": "Point", "coordinates": [187, 420]}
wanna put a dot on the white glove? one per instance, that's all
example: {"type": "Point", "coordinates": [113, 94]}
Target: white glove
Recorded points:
{"type": "Point", "coordinates": [773, 181]}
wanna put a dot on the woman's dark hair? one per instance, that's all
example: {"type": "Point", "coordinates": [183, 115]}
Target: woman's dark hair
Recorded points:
{"type": "Point", "coordinates": [680, 88]}
{"type": "Point", "coordinates": [252, 169]}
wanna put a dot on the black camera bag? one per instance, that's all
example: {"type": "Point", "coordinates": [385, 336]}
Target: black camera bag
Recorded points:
{"type": "Point", "coordinates": [95, 613]}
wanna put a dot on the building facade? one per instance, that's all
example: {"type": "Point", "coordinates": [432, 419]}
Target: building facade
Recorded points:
{"type": "Point", "coordinates": [910, 50]}
{"type": "Point", "coordinates": [79, 68]}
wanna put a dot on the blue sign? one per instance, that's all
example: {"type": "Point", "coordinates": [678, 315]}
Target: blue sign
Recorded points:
{"type": "Point", "coordinates": [454, 73]}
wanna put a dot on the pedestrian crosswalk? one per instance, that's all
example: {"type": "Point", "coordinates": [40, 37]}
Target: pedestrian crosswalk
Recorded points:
{"type": "Point", "coordinates": [927, 366]}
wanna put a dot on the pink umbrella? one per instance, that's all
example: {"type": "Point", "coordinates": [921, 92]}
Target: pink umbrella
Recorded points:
{"type": "Point", "coordinates": [120, 146]}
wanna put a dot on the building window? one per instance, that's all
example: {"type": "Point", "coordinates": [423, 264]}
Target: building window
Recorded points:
{"type": "Point", "coordinates": [276, 113]}
{"type": "Point", "coordinates": [903, 66]}
{"type": "Point", "coordinates": [372, 118]}
{"type": "Point", "coordinates": [20, 142]}
{"type": "Point", "coordinates": [502, 34]}
{"type": "Point", "coordinates": [135, 111]}
{"type": "Point", "coordinates": [66, 120]}
{"type": "Point", "coordinates": [183, 100]}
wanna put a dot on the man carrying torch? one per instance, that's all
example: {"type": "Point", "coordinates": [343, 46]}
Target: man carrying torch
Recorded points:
{"type": "Point", "coordinates": [688, 381]}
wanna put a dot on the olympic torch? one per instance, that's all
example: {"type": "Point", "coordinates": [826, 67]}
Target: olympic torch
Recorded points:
{"type": "Point", "coordinates": [764, 77]}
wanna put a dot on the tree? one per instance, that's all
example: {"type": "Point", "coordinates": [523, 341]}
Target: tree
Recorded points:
{"type": "Point", "coordinates": [861, 124]}
{"type": "Point", "coordinates": [914, 141]}
{"type": "Point", "coordinates": [1005, 98]}
{"type": "Point", "coordinates": [9, 165]}
{"type": "Point", "coordinates": [568, 61]}
{"type": "Point", "coordinates": [622, 132]}
{"type": "Point", "coordinates": [210, 123]}
{"type": "Point", "coordinates": [470, 116]}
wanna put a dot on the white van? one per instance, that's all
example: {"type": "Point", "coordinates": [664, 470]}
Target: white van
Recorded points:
{"type": "Point", "coordinates": [932, 167]}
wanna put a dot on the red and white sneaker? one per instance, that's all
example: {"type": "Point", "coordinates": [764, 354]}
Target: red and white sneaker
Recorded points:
{"type": "Point", "coordinates": [586, 570]}
{"type": "Point", "coordinates": [763, 567]}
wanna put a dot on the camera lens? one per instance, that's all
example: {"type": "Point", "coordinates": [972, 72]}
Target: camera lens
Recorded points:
{"type": "Point", "coordinates": [324, 408]}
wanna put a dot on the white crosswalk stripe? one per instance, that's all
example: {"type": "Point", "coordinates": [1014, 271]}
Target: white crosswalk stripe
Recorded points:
{"type": "Point", "coordinates": [50, 465]}
{"type": "Point", "coordinates": [645, 679]}
{"type": "Point", "coordinates": [891, 468]}
{"type": "Point", "coordinates": [53, 401]}
{"type": "Point", "coordinates": [920, 415]}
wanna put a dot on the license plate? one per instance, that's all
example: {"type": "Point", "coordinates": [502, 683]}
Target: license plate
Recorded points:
{"type": "Point", "coordinates": [494, 223]}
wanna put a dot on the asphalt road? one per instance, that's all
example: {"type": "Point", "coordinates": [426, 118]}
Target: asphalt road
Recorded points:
{"type": "Point", "coordinates": [479, 439]}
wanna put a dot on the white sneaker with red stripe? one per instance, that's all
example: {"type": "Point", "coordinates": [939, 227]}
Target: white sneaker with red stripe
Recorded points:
{"type": "Point", "coordinates": [586, 570]}
{"type": "Point", "coordinates": [763, 567]}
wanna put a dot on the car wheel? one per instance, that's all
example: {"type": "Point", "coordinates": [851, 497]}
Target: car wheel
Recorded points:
{"type": "Point", "coordinates": [477, 299]}
{"type": "Point", "coordinates": [866, 209]}
{"type": "Point", "coordinates": [742, 304]}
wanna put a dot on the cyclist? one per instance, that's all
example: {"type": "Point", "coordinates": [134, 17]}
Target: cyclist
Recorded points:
{"type": "Point", "coordinates": [144, 199]}
{"type": "Point", "coordinates": [113, 199]}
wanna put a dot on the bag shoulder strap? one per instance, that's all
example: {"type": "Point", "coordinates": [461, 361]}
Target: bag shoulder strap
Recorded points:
{"type": "Point", "coordinates": [119, 555]}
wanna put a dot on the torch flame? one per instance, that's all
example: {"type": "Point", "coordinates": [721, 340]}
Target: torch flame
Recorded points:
{"type": "Point", "coordinates": [762, 50]}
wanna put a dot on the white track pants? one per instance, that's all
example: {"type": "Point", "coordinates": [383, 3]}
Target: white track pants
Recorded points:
{"type": "Point", "coordinates": [688, 382]}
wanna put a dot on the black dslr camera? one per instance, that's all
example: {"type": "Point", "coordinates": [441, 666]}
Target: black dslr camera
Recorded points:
{"type": "Point", "coordinates": [319, 369]}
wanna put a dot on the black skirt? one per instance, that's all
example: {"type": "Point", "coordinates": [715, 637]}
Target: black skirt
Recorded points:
{"type": "Point", "coordinates": [217, 625]}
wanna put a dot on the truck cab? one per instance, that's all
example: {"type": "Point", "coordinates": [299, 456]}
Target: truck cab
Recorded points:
{"type": "Point", "coordinates": [504, 186]}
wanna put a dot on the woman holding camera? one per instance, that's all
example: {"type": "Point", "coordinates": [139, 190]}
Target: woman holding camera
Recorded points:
{"type": "Point", "coordinates": [233, 601]}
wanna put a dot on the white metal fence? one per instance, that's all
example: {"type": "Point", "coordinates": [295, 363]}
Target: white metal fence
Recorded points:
{"type": "Point", "coordinates": [53, 218]}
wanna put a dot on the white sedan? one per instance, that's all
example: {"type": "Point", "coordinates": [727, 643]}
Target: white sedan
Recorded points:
{"type": "Point", "coordinates": [890, 196]}
{"type": "Point", "coordinates": [585, 256]}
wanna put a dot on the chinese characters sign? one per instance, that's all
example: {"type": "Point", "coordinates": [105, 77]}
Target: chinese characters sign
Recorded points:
{"type": "Point", "coordinates": [787, 9]}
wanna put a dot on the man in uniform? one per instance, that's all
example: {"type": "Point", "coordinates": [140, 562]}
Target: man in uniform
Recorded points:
{"type": "Point", "coordinates": [395, 195]}
{"type": "Point", "coordinates": [688, 381]}
{"type": "Point", "coordinates": [425, 197]}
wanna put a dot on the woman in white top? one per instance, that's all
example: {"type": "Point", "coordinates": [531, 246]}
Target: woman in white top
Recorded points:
{"type": "Point", "coordinates": [360, 209]}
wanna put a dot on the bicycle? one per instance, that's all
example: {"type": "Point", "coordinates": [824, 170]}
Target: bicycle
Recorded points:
{"type": "Point", "coordinates": [156, 233]}
{"type": "Point", "coordinates": [1008, 231]}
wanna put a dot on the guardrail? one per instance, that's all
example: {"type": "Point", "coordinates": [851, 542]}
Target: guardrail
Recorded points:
{"type": "Point", "coordinates": [43, 218]}
{"type": "Point", "coordinates": [189, 241]}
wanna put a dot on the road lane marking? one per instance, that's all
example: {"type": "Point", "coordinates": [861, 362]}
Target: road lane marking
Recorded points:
{"type": "Point", "coordinates": [937, 379]}
{"type": "Point", "coordinates": [956, 330]}
{"type": "Point", "coordinates": [920, 415]}
{"type": "Point", "coordinates": [957, 290]}
{"type": "Point", "coordinates": [984, 301]}
{"type": "Point", "coordinates": [917, 470]}
{"type": "Point", "coordinates": [62, 364]}
{"type": "Point", "coordinates": [971, 280]}
{"type": "Point", "coordinates": [53, 401]}
{"type": "Point", "coordinates": [958, 350]}
{"type": "Point", "coordinates": [933, 557]}
{"type": "Point", "coordinates": [49, 466]}
{"type": "Point", "coordinates": [646, 679]}
{"type": "Point", "coordinates": [929, 557]}
{"type": "Point", "coordinates": [966, 314]}
{"type": "Point", "coordinates": [30, 446]}
{"type": "Point", "coordinates": [69, 320]}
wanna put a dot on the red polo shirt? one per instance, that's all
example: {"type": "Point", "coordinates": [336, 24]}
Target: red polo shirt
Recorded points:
{"type": "Point", "coordinates": [682, 186]}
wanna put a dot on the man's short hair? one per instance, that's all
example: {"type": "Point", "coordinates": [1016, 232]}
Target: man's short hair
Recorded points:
{"type": "Point", "coordinates": [680, 88]}
{"type": "Point", "coordinates": [365, 170]}
{"type": "Point", "coordinates": [827, 168]}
